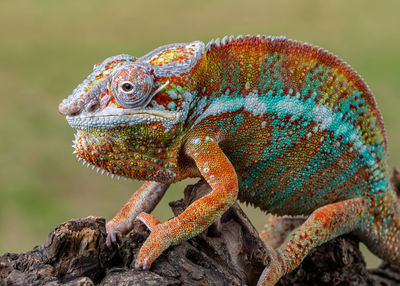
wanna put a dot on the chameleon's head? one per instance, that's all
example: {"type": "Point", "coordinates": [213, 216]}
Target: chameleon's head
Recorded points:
{"type": "Point", "coordinates": [124, 90]}
{"type": "Point", "coordinates": [134, 101]}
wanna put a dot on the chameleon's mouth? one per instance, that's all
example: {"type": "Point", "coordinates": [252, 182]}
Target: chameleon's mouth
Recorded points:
{"type": "Point", "coordinates": [123, 119]}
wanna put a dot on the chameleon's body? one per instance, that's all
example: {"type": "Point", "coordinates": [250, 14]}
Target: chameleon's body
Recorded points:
{"type": "Point", "coordinates": [283, 125]}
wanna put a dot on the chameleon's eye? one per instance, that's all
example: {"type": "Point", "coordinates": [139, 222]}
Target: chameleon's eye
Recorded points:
{"type": "Point", "coordinates": [131, 86]}
{"type": "Point", "coordinates": [127, 87]}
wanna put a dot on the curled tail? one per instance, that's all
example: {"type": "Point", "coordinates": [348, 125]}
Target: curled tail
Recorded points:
{"type": "Point", "coordinates": [381, 230]}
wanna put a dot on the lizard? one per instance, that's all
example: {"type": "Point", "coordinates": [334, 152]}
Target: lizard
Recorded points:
{"type": "Point", "coordinates": [283, 125]}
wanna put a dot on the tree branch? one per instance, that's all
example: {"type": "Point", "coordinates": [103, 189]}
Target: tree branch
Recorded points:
{"type": "Point", "coordinates": [230, 252]}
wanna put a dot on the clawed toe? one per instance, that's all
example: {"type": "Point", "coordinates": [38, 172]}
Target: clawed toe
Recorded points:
{"type": "Point", "coordinates": [113, 237]}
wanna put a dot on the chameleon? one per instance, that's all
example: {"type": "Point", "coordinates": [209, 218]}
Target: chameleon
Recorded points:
{"type": "Point", "coordinates": [283, 125]}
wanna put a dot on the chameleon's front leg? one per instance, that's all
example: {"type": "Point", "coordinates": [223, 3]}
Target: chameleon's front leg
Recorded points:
{"type": "Point", "coordinates": [215, 167]}
{"type": "Point", "coordinates": [144, 199]}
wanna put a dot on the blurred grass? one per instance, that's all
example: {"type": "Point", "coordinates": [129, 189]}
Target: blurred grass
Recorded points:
{"type": "Point", "coordinates": [48, 47]}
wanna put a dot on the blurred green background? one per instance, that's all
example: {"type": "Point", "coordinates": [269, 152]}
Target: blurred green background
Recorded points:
{"type": "Point", "coordinates": [47, 47]}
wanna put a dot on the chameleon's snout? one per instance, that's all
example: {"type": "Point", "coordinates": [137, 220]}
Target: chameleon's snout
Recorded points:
{"type": "Point", "coordinates": [69, 108]}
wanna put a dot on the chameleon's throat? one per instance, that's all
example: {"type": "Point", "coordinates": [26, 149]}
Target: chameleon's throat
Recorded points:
{"type": "Point", "coordinates": [128, 159]}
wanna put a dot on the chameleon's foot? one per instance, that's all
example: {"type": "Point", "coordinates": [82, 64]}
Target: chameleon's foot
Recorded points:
{"type": "Point", "coordinates": [158, 241]}
{"type": "Point", "coordinates": [114, 233]}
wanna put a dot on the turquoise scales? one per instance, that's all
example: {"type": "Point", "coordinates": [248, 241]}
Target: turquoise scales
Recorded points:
{"type": "Point", "coordinates": [283, 125]}
{"type": "Point", "coordinates": [288, 174]}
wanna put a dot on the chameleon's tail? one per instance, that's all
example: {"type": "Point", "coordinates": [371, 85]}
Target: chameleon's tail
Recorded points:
{"type": "Point", "coordinates": [381, 232]}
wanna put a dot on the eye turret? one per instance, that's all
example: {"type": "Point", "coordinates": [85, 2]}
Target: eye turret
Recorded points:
{"type": "Point", "coordinates": [131, 86]}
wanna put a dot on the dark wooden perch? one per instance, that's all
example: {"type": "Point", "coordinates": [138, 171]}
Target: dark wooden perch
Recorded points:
{"type": "Point", "coordinates": [230, 252]}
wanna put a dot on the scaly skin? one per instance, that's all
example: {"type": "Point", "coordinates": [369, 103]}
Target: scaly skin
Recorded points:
{"type": "Point", "coordinates": [283, 125]}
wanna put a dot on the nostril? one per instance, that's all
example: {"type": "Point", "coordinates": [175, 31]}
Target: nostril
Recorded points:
{"type": "Point", "coordinates": [93, 106]}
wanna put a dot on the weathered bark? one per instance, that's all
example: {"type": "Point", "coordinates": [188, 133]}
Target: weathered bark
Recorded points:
{"type": "Point", "coordinates": [230, 252]}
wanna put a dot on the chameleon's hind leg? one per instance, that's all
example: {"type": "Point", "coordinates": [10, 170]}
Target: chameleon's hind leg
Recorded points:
{"type": "Point", "coordinates": [277, 228]}
{"type": "Point", "coordinates": [381, 231]}
{"type": "Point", "coordinates": [322, 225]}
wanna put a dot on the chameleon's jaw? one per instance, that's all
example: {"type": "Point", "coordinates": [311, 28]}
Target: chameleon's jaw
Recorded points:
{"type": "Point", "coordinates": [123, 119]}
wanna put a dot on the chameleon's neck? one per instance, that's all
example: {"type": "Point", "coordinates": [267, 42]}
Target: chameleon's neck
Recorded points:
{"type": "Point", "coordinates": [230, 70]}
